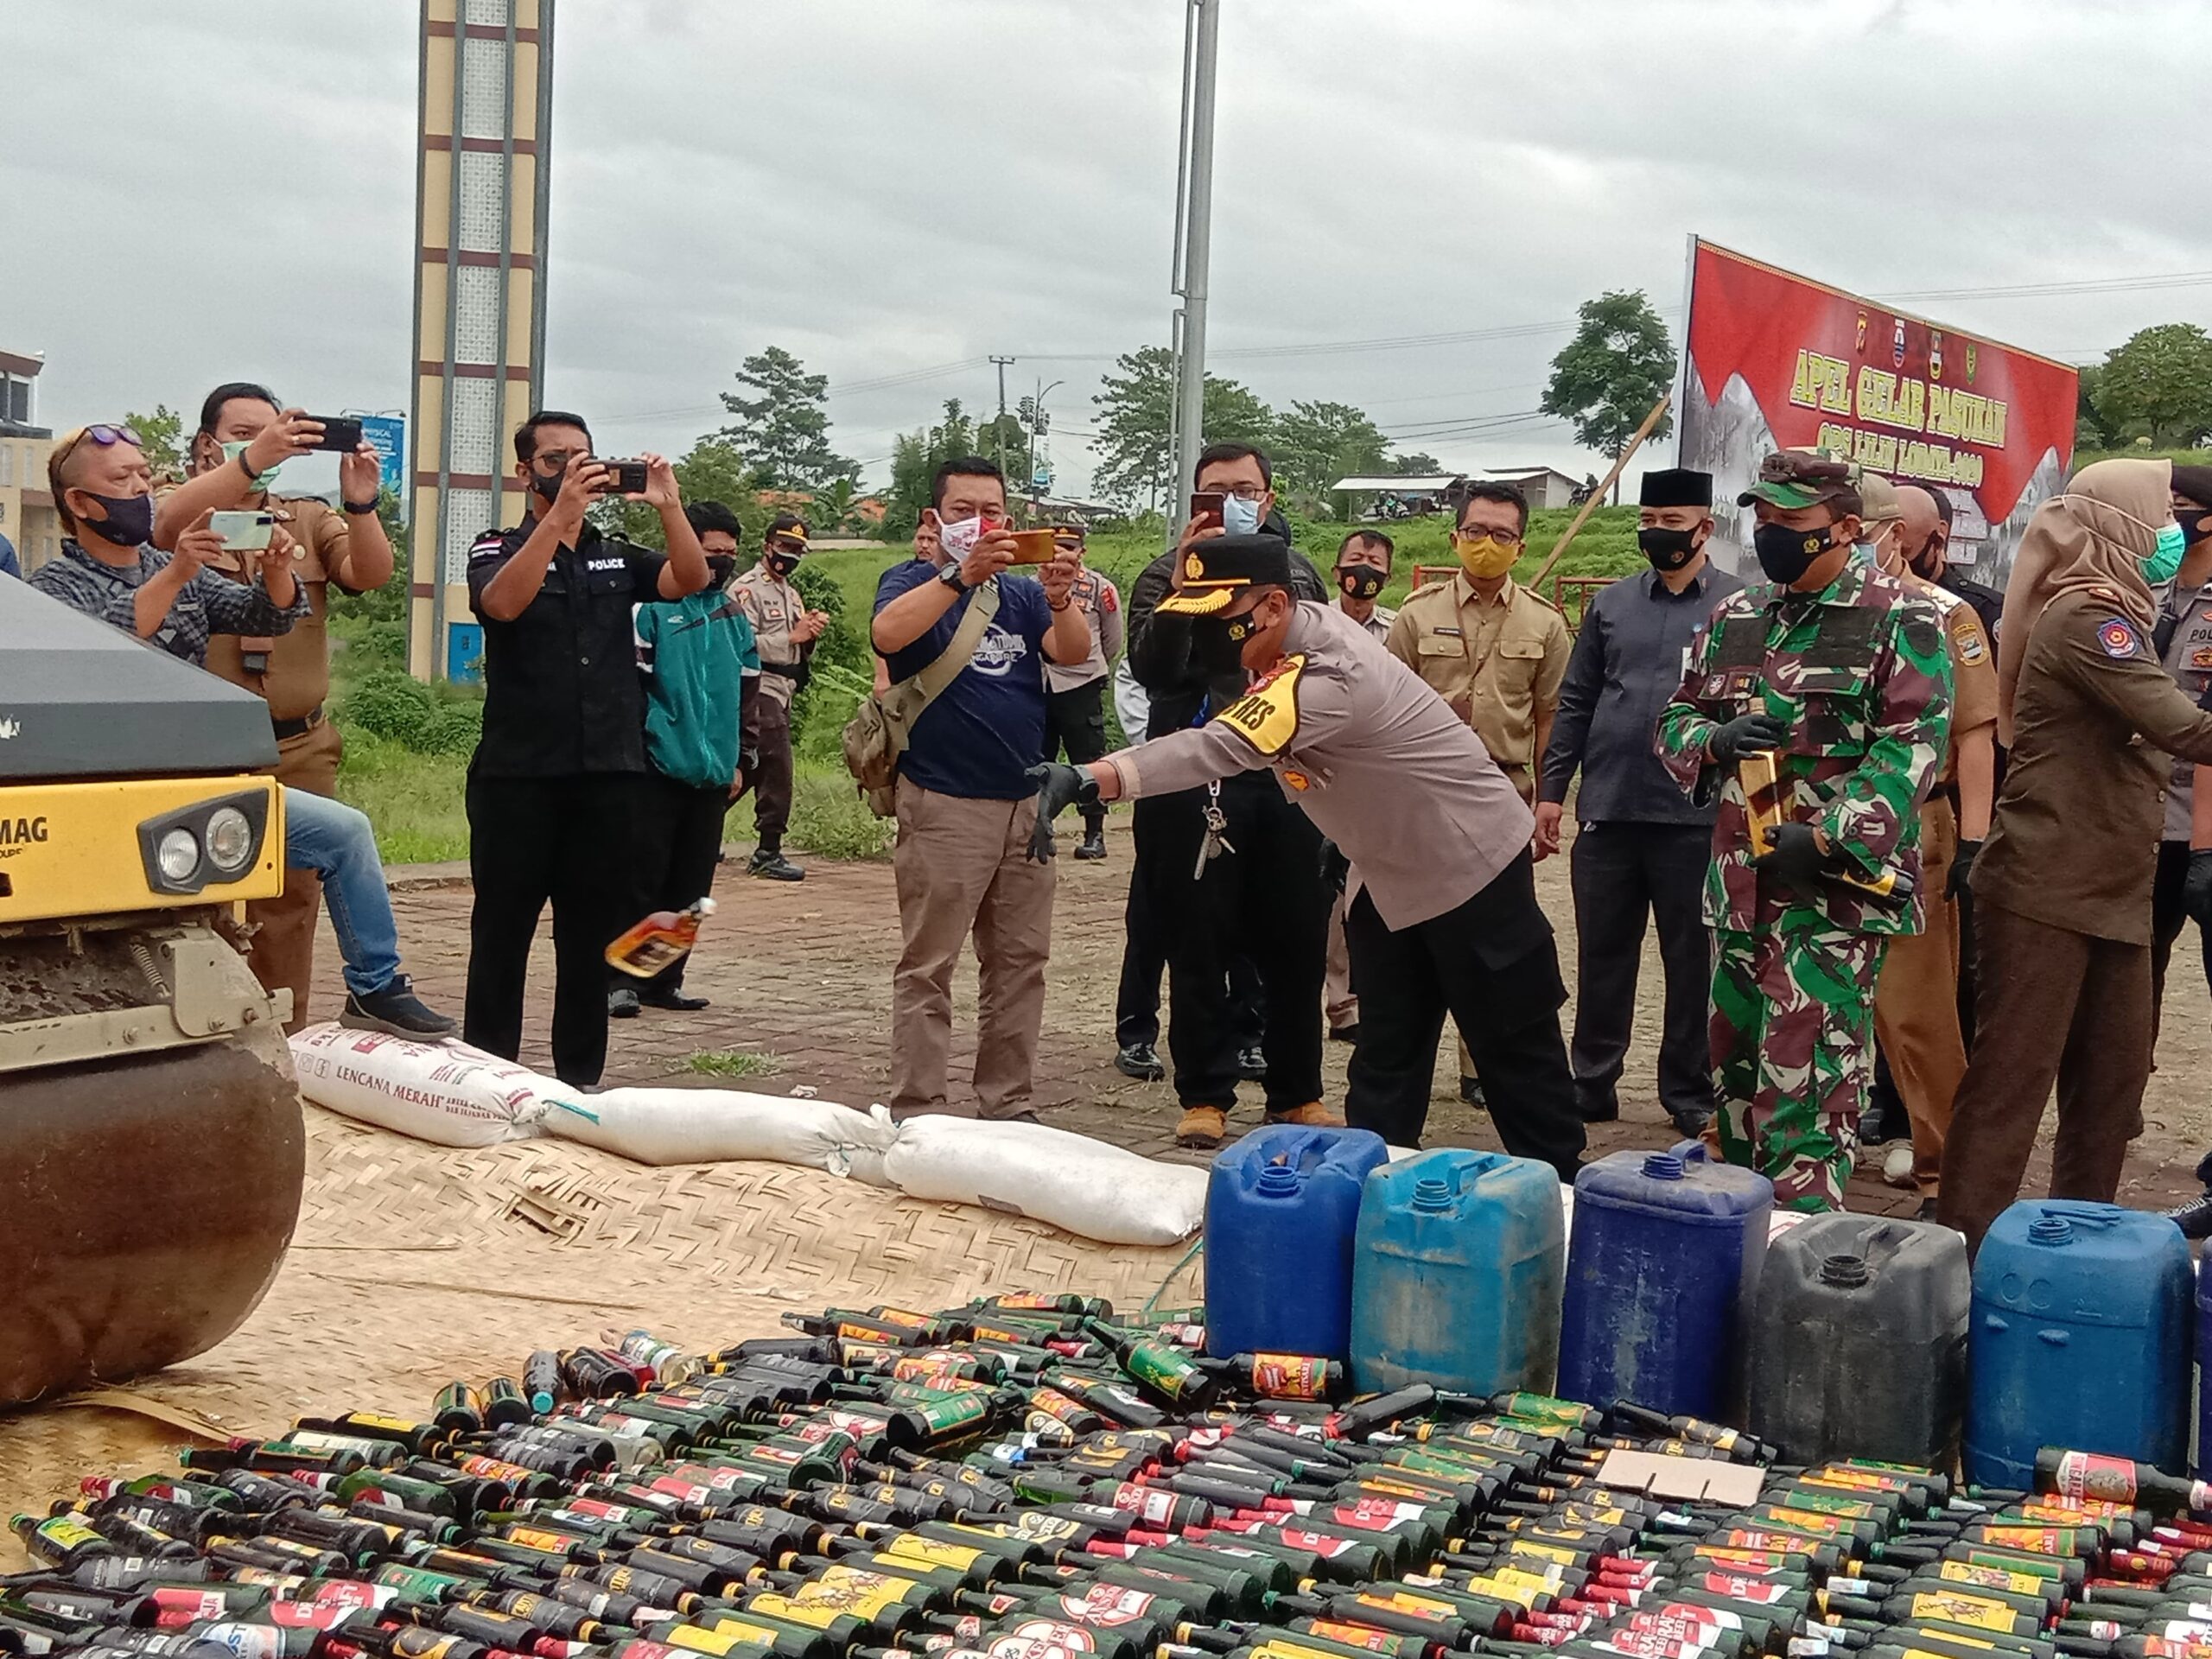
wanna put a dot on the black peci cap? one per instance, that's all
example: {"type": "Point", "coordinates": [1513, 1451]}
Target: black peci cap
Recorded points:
{"type": "Point", "coordinates": [1676, 486]}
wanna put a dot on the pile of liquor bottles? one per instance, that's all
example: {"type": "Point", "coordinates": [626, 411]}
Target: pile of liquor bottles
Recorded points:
{"type": "Point", "coordinates": [1028, 1477]}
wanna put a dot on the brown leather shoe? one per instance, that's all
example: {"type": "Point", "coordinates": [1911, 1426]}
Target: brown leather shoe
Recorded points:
{"type": "Point", "coordinates": [1201, 1125]}
{"type": "Point", "coordinates": [1313, 1115]}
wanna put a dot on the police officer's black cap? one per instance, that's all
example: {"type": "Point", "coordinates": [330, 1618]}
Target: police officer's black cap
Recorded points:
{"type": "Point", "coordinates": [1676, 486]}
{"type": "Point", "coordinates": [1218, 569]}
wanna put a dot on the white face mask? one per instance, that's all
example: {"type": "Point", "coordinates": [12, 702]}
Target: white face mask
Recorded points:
{"type": "Point", "coordinates": [958, 538]}
{"type": "Point", "coordinates": [1240, 517]}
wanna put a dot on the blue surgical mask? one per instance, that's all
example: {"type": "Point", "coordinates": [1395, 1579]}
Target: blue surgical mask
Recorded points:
{"type": "Point", "coordinates": [2162, 566]}
{"type": "Point", "coordinates": [1240, 517]}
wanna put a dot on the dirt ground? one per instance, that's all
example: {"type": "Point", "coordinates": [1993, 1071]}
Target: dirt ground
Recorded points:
{"type": "Point", "coordinates": [803, 972]}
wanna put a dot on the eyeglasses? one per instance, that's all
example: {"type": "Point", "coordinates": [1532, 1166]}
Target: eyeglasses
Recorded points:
{"type": "Point", "coordinates": [1475, 533]}
{"type": "Point", "coordinates": [1247, 492]}
{"type": "Point", "coordinates": [103, 435]}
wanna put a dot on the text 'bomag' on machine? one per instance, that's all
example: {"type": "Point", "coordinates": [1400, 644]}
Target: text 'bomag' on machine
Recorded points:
{"type": "Point", "coordinates": [151, 1146]}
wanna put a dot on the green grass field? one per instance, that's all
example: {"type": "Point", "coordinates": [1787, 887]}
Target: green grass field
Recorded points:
{"type": "Point", "coordinates": [414, 799]}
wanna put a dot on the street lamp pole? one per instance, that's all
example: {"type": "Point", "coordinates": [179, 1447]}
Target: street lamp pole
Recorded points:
{"type": "Point", "coordinates": [1194, 197]}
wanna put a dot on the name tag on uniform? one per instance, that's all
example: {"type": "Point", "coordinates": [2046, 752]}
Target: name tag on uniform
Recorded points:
{"type": "Point", "coordinates": [1450, 633]}
{"type": "Point", "coordinates": [615, 563]}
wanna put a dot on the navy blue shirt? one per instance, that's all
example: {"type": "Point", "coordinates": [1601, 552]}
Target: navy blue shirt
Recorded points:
{"type": "Point", "coordinates": [988, 727]}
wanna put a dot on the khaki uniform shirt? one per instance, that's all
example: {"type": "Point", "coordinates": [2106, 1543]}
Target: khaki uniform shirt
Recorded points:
{"type": "Point", "coordinates": [1497, 666]}
{"type": "Point", "coordinates": [1378, 621]}
{"type": "Point", "coordinates": [1372, 756]}
{"type": "Point", "coordinates": [2075, 837]}
{"type": "Point", "coordinates": [291, 671]}
{"type": "Point", "coordinates": [772, 606]}
{"type": "Point", "coordinates": [1973, 668]}
{"type": "Point", "coordinates": [1100, 601]}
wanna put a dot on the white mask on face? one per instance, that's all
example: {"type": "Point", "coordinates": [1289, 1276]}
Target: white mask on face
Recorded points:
{"type": "Point", "coordinates": [959, 537]}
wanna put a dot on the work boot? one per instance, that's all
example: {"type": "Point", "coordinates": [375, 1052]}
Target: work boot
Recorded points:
{"type": "Point", "coordinates": [769, 861]}
{"type": "Point", "coordinates": [1202, 1127]}
{"type": "Point", "coordinates": [1690, 1122]}
{"type": "Point", "coordinates": [672, 998]}
{"type": "Point", "coordinates": [1140, 1061]}
{"type": "Point", "coordinates": [397, 1009]}
{"type": "Point", "coordinates": [622, 1003]}
{"type": "Point", "coordinates": [1313, 1115]}
{"type": "Point", "coordinates": [1252, 1063]}
{"type": "Point", "coordinates": [2195, 1218]}
{"type": "Point", "coordinates": [1094, 842]}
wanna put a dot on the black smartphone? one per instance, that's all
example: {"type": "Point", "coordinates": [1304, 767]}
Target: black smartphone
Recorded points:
{"type": "Point", "coordinates": [1205, 507]}
{"type": "Point", "coordinates": [624, 477]}
{"type": "Point", "coordinates": [340, 433]}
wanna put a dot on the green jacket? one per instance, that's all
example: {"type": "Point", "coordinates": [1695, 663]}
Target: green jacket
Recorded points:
{"type": "Point", "coordinates": [701, 668]}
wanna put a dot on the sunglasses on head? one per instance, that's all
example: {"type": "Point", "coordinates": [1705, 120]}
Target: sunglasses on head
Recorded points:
{"type": "Point", "coordinates": [103, 435]}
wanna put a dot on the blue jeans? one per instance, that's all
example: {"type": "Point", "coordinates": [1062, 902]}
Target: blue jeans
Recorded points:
{"type": "Point", "coordinates": [335, 842]}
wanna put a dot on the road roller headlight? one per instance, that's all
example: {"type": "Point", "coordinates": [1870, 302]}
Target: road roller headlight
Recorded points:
{"type": "Point", "coordinates": [210, 842]}
{"type": "Point", "coordinates": [230, 839]}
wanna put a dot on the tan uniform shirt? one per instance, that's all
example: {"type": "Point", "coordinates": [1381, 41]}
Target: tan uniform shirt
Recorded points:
{"type": "Point", "coordinates": [2075, 837]}
{"type": "Point", "coordinates": [1100, 601]}
{"type": "Point", "coordinates": [1497, 664]}
{"type": "Point", "coordinates": [1973, 668]}
{"type": "Point", "coordinates": [1378, 620]}
{"type": "Point", "coordinates": [1400, 783]}
{"type": "Point", "coordinates": [291, 671]}
{"type": "Point", "coordinates": [772, 606]}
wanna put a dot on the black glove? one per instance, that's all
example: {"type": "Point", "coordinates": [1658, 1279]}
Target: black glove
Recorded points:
{"type": "Point", "coordinates": [1744, 735]}
{"type": "Point", "coordinates": [1797, 860]}
{"type": "Point", "coordinates": [1335, 868]}
{"type": "Point", "coordinates": [1058, 787]}
{"type": "Point", "coordinates": [1962, 869]}
{"type": "Point", "coordinates": [2196, 886]}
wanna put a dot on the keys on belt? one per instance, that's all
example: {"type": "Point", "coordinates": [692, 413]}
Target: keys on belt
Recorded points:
{"type": "Point", "coordinates": [1217, 841]}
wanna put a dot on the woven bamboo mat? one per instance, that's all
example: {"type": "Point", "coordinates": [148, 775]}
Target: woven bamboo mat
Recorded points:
{"type": "Point", "coordinates": [414, 1265]}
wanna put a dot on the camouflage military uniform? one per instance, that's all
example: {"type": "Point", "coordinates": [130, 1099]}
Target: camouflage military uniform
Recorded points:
{"type": "Point", "coordinates": [1859, 675]}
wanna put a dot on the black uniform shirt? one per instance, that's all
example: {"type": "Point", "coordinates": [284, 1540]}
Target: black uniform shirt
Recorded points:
{"type": "Point", "coordinates": [562, 694]}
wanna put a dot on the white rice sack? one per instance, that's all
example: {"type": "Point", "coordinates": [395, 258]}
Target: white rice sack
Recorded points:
{"type": "Point", "coordinates": [1071, 1181]}
{"type": "Point", "coordinates": [713, 1126]}
{"type": "Point", "coordinates": [446, 1093]}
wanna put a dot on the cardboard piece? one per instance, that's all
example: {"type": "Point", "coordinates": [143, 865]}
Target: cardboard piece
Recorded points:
{"type": "Point", "coordinates": [1710, 1480]}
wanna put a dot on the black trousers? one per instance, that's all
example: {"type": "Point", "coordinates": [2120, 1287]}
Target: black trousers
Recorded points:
{"type": "Point", "coordinates": [1075, 720]}
{"type": "Point", "coordinates": [1265, 901]}
{"type": "Point", "coordinates": [1144, 960]}
{"type": "Point", "coordinates": [769, 783]}
{"type": "Point", "coordinates": [2168, 920]}
{"type": "Point", "coordinates": [680, 838]}
{"type": "Point", "coordinates": [574, 841]}
{"type": "Point", "coordinates": [1492, 966]}
{"type": "Point", "coordinates": [1620, 873]}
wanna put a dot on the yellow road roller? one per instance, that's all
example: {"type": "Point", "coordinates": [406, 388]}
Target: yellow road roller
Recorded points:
{"type": "Point", "coordinates": [151, 1148]}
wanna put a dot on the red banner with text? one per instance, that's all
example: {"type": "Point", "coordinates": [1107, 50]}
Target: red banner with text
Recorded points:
{"type": "Point", "coordinates": [1777, 361]}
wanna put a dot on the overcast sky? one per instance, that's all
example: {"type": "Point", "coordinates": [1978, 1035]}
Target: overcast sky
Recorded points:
{"type": "Point", "coordinates": [225, 188]}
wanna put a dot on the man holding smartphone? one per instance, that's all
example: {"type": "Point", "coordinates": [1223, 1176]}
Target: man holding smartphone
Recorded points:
{"type": "Point", "coordinates": [243, 438]}
{"type": "Point", "coordinates": [560, 776]}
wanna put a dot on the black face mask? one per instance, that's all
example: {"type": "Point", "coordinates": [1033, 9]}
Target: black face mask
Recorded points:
{"type": "Point", "coordinates": [718, 566]}
{"type": "Point", "coordinates": [1929, 563]}
{"type": "Point", "coordinates": [548, 487]}
{"type": "Point", "coordinates": [1787, 554]}
{"type": "Point", "coordinates": [778, 566]}
{"type": "Point", "coordinates": [2191, 520]}
{"type": "Point", "coordinates": [1668, 550]}
{"type": "Point", "coordinates": [1360, 580]}
{"type": "Point", "coordinates": [130, 521]}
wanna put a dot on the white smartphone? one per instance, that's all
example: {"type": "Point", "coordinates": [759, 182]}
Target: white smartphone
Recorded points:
{"type": "Point", "coordinates": [247, 532]}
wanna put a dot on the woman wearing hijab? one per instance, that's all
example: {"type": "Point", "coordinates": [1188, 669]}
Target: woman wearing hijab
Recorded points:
{"type": "Point", "coordinates": [2061, 887]}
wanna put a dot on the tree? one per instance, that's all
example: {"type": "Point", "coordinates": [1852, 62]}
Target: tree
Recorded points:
{"type": "Point", "coordinates": [1004, 439]}
{"type": "Point", "coordinates": [784, 431]}
{"type": "Point", "coordinates": [1315, 445]}
{"type": "Point", "coordinates": [1417, 465]}
{"type": "Point", "coordinates": [2157, 386]}
{"type": "Point", "coordinates": [915, 457]}
{"type": "Point", "coordinates": [1605, 379]}
{"type": "Point", "coordinates": [1135, 411]}
{"type": "Point", "coordinates": [714, 471]}
{"type": "Point", "coordinates": [162, 439]}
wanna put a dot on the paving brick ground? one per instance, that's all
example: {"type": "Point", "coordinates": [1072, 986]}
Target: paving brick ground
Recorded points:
{"type": "Point", "coordinates": [802, 972]}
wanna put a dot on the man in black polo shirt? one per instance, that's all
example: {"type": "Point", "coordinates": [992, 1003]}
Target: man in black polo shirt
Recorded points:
{"type": "Point", "coordinates": [559, 776]}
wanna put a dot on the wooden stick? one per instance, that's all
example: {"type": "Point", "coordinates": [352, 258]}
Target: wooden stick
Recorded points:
{"type": "Point", "coordinates": [1598, 494]}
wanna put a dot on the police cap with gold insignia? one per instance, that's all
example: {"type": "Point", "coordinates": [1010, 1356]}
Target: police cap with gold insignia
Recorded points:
{"type": "Point", "coordinates": [1790, 479]}
{"type": "Point", "coordinates": [1215, 570]}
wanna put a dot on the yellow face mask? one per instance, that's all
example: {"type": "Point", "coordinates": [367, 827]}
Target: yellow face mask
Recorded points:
{"type": "Point", "coordinates": [1485, 555]}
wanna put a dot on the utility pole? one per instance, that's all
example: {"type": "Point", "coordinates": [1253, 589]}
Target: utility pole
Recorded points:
{"type": "Point", "coordinates": [1000, 427]}
{"type": "Point", "coordinates": [1194, 239]}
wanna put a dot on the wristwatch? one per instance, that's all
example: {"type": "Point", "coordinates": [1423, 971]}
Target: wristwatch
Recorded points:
{"type": "Point", "coordinates": [357, 508]}
{"type": "Point", "coordinates": [950, 577]}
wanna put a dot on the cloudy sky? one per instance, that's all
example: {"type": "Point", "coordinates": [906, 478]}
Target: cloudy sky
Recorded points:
{"type": "Point", "coordinates": [894, 189]}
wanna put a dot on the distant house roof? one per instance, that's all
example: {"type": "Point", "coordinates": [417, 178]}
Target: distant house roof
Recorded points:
{"type": "Point", "coordinates": [1425, 482]}
{"type": "Point", "coordinates": [1527, 472]}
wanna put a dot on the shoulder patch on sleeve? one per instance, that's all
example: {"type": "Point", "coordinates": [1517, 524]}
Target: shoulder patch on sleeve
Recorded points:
{"type": "Point", "coordinates": [1267, 715]}
{"type": "Point", "coordinates": [1968, 641]}
{"type": "Point", "coordinates": [491, 544]}
{"type": "Point", "coordinates": [2117, 635]}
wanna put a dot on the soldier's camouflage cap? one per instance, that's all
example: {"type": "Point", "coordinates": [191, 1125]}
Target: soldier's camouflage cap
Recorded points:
{"type": "Point", "coordinates": [1790, 479]}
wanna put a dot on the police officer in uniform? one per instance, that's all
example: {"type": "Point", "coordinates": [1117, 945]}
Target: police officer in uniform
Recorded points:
{"type": "Point", "coordinates": [560, 774]}
{"type": "Point", "coordinates": [242, 438]}
{"type": "Point", "coordinates": [1839, 673]}
{"type": "Point", "coordinates": [1493, 649]}
{"type": "Point", "coordinates": [2062, 886]}
{"type": "Point", "coordinates": [786, 631]}
{"type": "Point", "coordinates": [1363, 572]}
{"type": "Point", "coordinates": [1443, 916]}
